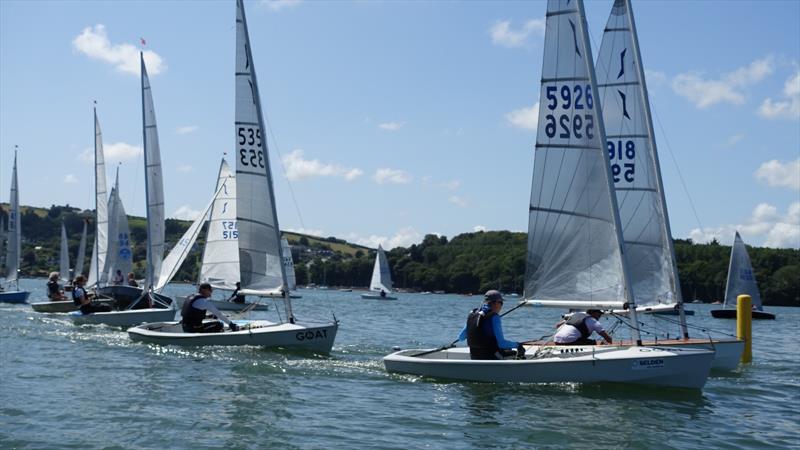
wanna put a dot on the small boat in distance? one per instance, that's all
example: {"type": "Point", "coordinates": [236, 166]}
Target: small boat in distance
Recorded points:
{"type": "Point", "coordinates": [14, 246]}
{"type": "Point", "coordinates": [381, 283]}
{"type": "Point", "coordinates": [741, 281]}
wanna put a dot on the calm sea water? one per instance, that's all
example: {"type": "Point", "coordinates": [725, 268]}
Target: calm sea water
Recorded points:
{"type": "Point", "coordinates": [63, 386]}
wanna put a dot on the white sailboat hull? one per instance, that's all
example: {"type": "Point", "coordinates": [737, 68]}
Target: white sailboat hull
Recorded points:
{"type": "Point", "coordinates": [224, 305]}
{"type": "Point", "coordinates": [123, 319]}
{"type": "Point", "coordinates": [308, 336]}
{"type": "Point", "coordinates": [378, 297]}
{"type": "Point", "coordinates": [63, 306]}
{"type": "Point", "coordinates": [685, 368]}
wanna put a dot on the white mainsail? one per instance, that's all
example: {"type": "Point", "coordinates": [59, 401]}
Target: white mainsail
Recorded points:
{"type": "Point", "coordinates": [741, 278]}
{"type": "Point", "coordinates": [14, 248]}
{"type": "Point", "coordinates": [97, 274]}
{"type": "Point", "coordinates": [220, 265]}
{"type": "Point", "coordinates": [63, 266]}
{"type": "Point", "coordinates": [81, 251]}
{"type": "Point", "coordinates": [154, 183]}
{"type": "Point", "coordinates": [260, 263]}
{"type": "Point", "coordinates": [381, 276]}
{"type": "Point", "coordinates": [120, 255]}
{"type": "Point", "coordinates": [574, 240]}
{"type": "Point", "coordinates": [635, 168]}
{"type": "Point", "coordinates": [182, 248]}
{"type": "Point", "coordinates": [291, 279]}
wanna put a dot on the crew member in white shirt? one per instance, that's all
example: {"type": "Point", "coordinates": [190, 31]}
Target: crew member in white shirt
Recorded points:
{"type": "Point", "coordinates": [577, 329]}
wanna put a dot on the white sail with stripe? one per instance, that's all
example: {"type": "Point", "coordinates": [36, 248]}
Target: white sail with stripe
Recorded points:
{"type": "Point", "coordinates": [574, 242]}
{"type": "Point", "coordinates": [97, 274]}
{"type": "Point", "coordinates": [381, 275]}
{"type": "Point", "coordinates": [260, 264]}
{"type": "Point", "coordinates": [741, 278]}
{"type": "Point", "coordinates": [81, 251]}
{"type": "Point", "coordinates": [63, 260]}
{"type": "Point", "coordinates": [220, 266]}
{"type": "Point", "coordinates": [291, 279]}
{"type": "Point", "coordinates": [634, 162]}
{"type": "Point", "coordinates": [154, 183]}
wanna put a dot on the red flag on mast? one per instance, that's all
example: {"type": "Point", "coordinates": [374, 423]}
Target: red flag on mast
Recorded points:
{"type": "Point", "coordinates": [141, 39]}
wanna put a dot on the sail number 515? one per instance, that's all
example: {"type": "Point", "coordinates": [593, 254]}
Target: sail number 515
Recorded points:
{"type": "Point", "coordinates": [250, 137]}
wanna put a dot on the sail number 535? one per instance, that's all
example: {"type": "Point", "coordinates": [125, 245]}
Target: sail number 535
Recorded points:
{"type": "Point", "coordinates": [569, 123]}
{"type": "Point", "coordinates": [250, 153]}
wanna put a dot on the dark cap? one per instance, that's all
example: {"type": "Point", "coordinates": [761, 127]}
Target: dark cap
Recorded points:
{"type": "Point", "coordinates": [493, 296]}
{"type": "Point", "coordinates": [590, 311]}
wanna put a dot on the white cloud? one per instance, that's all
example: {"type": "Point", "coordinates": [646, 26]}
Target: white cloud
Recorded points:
{"type": "Point", "coordinates": [309, 232]}
{"type": "Point", "coordinates": [118, 151]}
{"type": "Point", "coordinates": [70, 179]}
{"type": "Point", "coordinates": [458, 201]}
{"type": "Point", "coordinates": [277, 5]}
{"type": "Point", "coordinates": [502, 33]}
{"type": "Point", "coordinates": [526, 118]}
{"type": "Point", "coordinates": [450, 185]}
{"type": "Point", "coordinates": [478, 228]}
{"type": "Point", "coordinates": [403, 238]}
{"type": "Point", "coordinates": [733, 140]}
{"type": "Point", "coordinates": [185, 168]}
{"type": "Point", "coordinates": [786, 108]}
{"type": "Point", "coordinates": [186, 212]}
{"type": "Point", "coordinates": [394, 176]}
{"type": "Point", "coordinates": [727, 89]}
{"type": "Point", "coordinates": [93, 42]}
{"type": "Point", "coordinates": [765, 222]}
{"type": "Point", "coordinates": [186, 129]}
{"type": "Point", "coordinates": [391, 126]}
{"type": "Point", "coordinates": [298, 168]}
{"type": "Point", "coordinates": [655, 78]}
{"type": "Point", "coordinates": [778, 174]}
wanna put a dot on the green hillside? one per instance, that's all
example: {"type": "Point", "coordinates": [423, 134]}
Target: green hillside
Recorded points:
{"type": "Point", "coordinates": [467, 263]}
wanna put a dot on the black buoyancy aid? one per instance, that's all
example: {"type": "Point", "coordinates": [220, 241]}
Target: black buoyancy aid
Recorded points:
{"type": "Point", "coordinates": [52, 288]}
{"type": "Point", "coordinates": [192, 316]}
{"type": "Point", "coordinates": [578, 320]}
{"type": "Point", "coordinates": [480, 335]}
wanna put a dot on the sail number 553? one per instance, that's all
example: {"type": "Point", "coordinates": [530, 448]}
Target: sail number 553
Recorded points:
{"type": "Point", "coordinates": [250, 153]}
{"type": "Point", "coordinates": [570, 123]}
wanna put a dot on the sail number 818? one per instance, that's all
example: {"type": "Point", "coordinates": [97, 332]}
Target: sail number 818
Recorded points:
{"type": "Point", "coordinates": [250, 137]}
{"type": "Point", "coordinates": [569, 124]}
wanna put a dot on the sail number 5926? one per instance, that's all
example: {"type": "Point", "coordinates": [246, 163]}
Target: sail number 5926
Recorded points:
{"type": "Point", "coordinates": [569, 123]}
{"type": "Point", "coordinates": [250, 153]}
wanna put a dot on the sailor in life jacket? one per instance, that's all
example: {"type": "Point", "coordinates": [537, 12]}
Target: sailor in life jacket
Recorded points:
{"type": "Point", "coordinates": [576, 329]}
{"type": "Point", "coordinates": [194, 311]}
{"type": "Point", "coordinates": [484, 331]}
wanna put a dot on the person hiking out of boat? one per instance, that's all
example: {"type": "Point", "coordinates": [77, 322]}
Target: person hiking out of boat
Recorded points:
{"type": "Point", "coordinates": [118, 278]}
{"type": "Point", "coordinates": [132, 280]}
{"type": "Point", "coordinates": [82, 299]}
{"type": "Point", "coordinates": [194, 311]}
{"type": "Point", "coordinates": [236, 297]}
{"type": "Point", "coordinates": [484, 331]}
{"type": "Point", "coordinates": [54, 291]}
{"type": "Point", "coordinates": [576, 329]}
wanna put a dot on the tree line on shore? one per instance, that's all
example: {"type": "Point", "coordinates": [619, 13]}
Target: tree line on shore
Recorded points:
{"type": "Point", "coordinates": [467, 263]}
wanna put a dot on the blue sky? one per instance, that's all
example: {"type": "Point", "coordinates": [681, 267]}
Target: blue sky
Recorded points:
{"type": "Point", "coordinates": [396, 119]}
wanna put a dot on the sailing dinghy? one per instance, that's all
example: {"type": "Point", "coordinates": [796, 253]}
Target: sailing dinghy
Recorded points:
{"type": "Point", "coordinates": [261, 269]}
{"type": "Point", "coordinates": [381, 283]}
{"type": "Point", "coordinates": [138, 305]}
{"type": "Point", "coordinates": [575, 252]}
{"type": "Point", "coordinates": [741, 281]}
{"type": "Point", "coordinates": [14, 246]}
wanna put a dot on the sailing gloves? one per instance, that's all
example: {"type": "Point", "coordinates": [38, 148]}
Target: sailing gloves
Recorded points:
{"type": "Point", "coordinates": [520, 351]}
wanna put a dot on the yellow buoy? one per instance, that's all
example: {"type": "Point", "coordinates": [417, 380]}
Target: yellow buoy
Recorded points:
{"type": "Point", "coordinates": [744, 325]}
